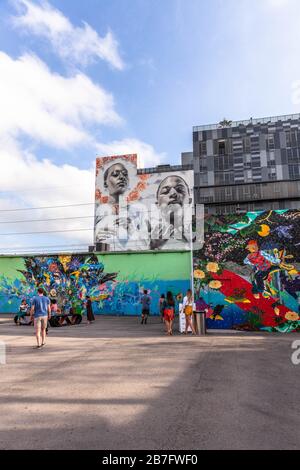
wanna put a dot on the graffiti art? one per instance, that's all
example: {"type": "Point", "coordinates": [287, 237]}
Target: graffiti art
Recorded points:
{"type": "Point", "coordinates": [68, 279]}
{"type": "Point", "coordinates": [114, 282]}
{"type": "Point", "coordinates": [248, 271]}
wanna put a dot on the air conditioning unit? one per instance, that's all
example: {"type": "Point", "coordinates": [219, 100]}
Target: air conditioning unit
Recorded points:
{"type": "Point", "coordinates": [102, 247]}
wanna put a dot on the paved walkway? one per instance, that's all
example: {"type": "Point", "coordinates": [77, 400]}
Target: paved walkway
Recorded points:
{"type": "Point", "coordinates": [117, 384]}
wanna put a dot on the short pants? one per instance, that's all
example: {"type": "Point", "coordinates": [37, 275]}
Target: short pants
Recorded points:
{"type": "Point", "coordinates": [40, 322]}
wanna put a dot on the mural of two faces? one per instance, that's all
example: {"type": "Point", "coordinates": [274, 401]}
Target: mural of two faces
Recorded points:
{"type": "Point", "coordinates": [247, 275]}
{"type": "Point", "coordinates": [140, 212]}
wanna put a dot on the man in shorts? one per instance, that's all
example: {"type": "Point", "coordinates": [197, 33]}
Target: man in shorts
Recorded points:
{"type": "Point", "coordinates": [145, 301]}
{"type": "Point", "coordinates": [40, 312]}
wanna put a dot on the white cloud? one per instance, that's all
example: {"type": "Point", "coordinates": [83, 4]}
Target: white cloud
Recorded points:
{"type": "Point", "coordinates": [46, 184]}
{"type": "Point", "coordinates": [26, 181]}
{"type": "Point", "coordinates": [147, 155]}
{"type": "Point", "coordinates": [49, 107]}
{"type": "Point", "coordinates": [59, 112]}
{"type": "Point", "coordinates": [81, 45]}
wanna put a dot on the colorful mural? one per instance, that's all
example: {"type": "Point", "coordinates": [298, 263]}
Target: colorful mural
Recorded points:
{"type": "Point", "coordinates": [248, 271]}
{"type": "Point", "coordinates": [114, 282]}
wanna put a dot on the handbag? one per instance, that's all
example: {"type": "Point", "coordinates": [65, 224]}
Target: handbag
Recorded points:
{"type": "Point", "coordinates": [188, 310]}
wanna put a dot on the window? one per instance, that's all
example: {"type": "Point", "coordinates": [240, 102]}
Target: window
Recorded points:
{"type": "Point", "coordinates": [291, 139]}
{"type": "Point", "coordinates": [271, 142]}
{"type": "Point", "coordinates": [276, 188]}
{"type": "Point", "coordinates": [221, 147]}
{"type": "Point", "coordinates": [273, 174]}
{"type": "Point", "coordinates": [256, 191]}
{"type": "Point", "coordinates": [272, 157]}
{"type": "Point", "coordinates": [247, 145]}
{"type": "Point", "coordinates": [203, 148]}
{"type": "Point", "coordinates": [228, 194]}
{"type": "Point", "coordinates": [294, 171]}
{"type": "Point", "coordinates": [246, 192]}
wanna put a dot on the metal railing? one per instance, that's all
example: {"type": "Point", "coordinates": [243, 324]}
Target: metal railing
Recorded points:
{"type": "Point", "coordinates": [165, 169]}
{"type": "Point", "coordinates": [265, 120]}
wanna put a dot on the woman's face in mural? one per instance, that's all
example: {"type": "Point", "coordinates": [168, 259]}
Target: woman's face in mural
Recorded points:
{"type": "Point", "coordinates": [173, 193]}
{"type": "Point", "coordinates": [116, 179]}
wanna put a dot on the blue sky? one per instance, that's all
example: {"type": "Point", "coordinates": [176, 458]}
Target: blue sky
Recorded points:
{"type": "Point", "coordinates": [129, 76]}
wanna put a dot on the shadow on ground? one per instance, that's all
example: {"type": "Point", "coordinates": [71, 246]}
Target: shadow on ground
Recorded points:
{"type": "Point", "coordinates": [117, 385]}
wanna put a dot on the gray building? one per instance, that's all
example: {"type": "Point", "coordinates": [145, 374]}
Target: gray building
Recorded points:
{"type": "Point", "coordinates": [247, 165]}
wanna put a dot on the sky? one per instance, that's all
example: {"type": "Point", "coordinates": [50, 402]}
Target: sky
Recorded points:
{"type": "Point", "coordinates": [103, 77]}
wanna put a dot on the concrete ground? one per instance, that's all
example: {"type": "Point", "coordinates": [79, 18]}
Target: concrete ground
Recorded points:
{"type": "Point", "coordinates": [117, 384]}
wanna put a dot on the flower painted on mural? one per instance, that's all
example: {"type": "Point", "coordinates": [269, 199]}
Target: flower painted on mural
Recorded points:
{"type": "Point", "coordinates": [277, 311]}
{"type": "Point", "coordinates": [141, 186]}
{"type": "Point", "coordinates": [52, 293]}
{"type": "Point", "coordinates": [198, 274]}
{"type": "Point", "coordinates": [100, 198]}
{"type": "Point", "coordinates": [133, 196]}
{"type": "Point", "coordinates": [292, 316]}
{"type": "Point", "coordinates": [179, 297]}
{"type": "Point", "coordinates": [293, 272]}
{"type": "Point", "coordinates": [215, 285]}
{"type": "Point", "coordinates": [48, 280]}
{"type": "Point", "coordinates": [98, 195]}
{"type": "Point", "coordinates": [65, 260]}
{"type": "Point", "coordinates": [53, 268]}
{"type": "Point", "coordinates": [212, 267]}
{"type": "Point", "coordinates": [144, 177]}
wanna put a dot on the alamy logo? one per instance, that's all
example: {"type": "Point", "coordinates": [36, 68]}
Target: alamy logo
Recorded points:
{"type": "Point", "coordinates": [2, 353]}
{"type": "Point", "coordinates": [296, 355]}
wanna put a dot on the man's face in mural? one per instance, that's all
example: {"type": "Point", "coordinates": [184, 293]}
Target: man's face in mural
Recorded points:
{"type": "Point", "coordinates": [116, 179]}
{"type": "Point", "coordinates": [172, 194]}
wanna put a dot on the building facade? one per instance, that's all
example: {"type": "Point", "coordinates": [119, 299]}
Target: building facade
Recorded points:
{"type": "Point", "coordinates": [247, 165]}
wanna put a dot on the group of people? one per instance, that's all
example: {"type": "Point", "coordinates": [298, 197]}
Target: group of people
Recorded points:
{"type": "Point", "coordinates": [42, 310]}
{"type": "Point", "coordinates": [167, 310]}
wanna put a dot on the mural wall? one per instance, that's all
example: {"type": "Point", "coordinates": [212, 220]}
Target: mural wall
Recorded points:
{"type": "Point", "coordinates": [247, 274]}
{"type": "Point", "coordinates": [140, 212]}
{"type": "Point", "coordinates": [114, 282]}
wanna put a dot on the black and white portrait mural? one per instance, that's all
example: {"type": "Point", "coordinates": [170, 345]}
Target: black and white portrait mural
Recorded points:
{"type": "Point", "coordinates": [142, 212]}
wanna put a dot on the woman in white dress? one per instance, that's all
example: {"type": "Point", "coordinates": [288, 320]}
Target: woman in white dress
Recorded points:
{"type": "Point", "coordinates": [187, 309]}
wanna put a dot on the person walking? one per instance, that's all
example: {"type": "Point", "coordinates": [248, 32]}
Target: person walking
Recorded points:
{"type": "Point", "coordinates": [188, 308]}
{"type": "Point", "coordinates": [169, 313]}
{"type": "Point", "coordinates": [40, 312]}
{"type": "Point", "coordinates": [89, 310]}
{"type": "Point", "coordinates": [161, 307]}
{"type": "Point", "coordinates": [145, 301]}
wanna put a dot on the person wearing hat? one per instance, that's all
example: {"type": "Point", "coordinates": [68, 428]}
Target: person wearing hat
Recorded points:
{"type": "Point", "coordinates": [263, 263]}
